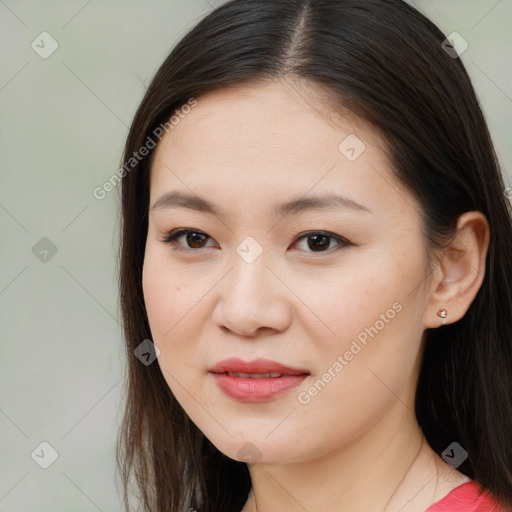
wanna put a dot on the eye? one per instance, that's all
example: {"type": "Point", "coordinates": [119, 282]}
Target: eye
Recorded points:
{"type": "Point", "coordinates": [194, 238]}
{"type": "Point", "coordinates": [320, 241]}
{"type": "Point", "coordinates": [317, 241]}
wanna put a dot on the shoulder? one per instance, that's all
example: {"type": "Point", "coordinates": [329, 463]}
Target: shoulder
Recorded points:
{"type": "Point", "coordinates": [468, 497]}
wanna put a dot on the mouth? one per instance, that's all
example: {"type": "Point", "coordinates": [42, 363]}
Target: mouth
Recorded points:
{"type": "Point", "coordinates": [253, 375]}
{"type": "Point", "coordinates": [256, 381]}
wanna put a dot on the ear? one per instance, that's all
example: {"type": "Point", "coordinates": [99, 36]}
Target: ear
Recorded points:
{"type": "Point", "coordinates": [459, 271]}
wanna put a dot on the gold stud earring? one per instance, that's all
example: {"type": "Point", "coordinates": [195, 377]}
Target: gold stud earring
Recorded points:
{"type": "Point", "coordinates": [442, 313]}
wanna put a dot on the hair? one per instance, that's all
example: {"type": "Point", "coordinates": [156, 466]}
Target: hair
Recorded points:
{"type": "Point", "coordinates": [383, 61]}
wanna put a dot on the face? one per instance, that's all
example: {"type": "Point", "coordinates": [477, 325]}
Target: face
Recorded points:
{"type": "Point", "coordinates": [334, 291]}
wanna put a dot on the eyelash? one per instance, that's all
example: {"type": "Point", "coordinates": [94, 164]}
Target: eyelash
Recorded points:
{"type": "Point", "coordinates": [171, 239]}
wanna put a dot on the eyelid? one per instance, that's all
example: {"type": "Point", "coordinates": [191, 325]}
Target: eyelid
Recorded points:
{"type": "Point", "coordinates": [343, 242]}
{"type": "Point", "coordinates": [171, 237]}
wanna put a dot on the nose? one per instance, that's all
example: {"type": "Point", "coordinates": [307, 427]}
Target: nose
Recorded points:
{"type": "Point", "coordinates": [253, 299]}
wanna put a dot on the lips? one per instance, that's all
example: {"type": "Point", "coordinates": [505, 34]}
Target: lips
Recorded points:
{"type": "Point", "coordinates": [254, 375]}
{"type": "Point", "coordinates": [256, 367]}
{"type": "Point", "coordinates": [256, 381]}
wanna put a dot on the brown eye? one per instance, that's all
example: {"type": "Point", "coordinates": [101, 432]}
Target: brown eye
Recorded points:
{"type": "Point", "coordinates": [320, 241]}
{"type": "Point", "coordinates": [317, 241]}
{"type": "Point", "coordinates": [194, 239]}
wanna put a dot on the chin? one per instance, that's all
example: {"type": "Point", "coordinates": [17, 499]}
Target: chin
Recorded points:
{"type": "Point", "coordinates": [258, 450]}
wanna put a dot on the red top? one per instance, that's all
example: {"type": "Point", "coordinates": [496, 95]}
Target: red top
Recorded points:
{"type": "Point", "coordinates": [468, 497]}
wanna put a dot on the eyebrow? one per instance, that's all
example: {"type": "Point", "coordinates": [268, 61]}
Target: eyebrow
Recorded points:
{"type": "Point", "coordinates": [301, 204]}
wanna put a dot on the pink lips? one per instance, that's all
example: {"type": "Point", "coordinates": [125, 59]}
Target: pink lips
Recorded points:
{"type": "Point", "coordinates": [256, 389]}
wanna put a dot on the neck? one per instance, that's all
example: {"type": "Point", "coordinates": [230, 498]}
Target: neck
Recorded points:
{"type": "Point", "coordinates": [389, 468]}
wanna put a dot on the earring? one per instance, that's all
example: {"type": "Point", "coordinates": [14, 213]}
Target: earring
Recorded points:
{"type": "Point", "coordinates": [442, 313]}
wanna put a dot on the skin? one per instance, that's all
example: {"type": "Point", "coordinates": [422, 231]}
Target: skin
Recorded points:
{"type": "Point", "coordinates": [246, 149]}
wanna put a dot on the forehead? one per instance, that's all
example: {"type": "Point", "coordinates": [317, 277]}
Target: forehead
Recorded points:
{"type": "Point", "coordinates": [272, 139]}
{"type": "Point", "coordinates": [292, 110]}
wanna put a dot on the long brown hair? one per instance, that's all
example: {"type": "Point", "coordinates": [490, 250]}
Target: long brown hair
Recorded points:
{"type": "Point", "coordinates": [385, 62]}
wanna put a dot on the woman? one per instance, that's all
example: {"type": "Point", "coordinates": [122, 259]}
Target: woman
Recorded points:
{"type": "Point", "coordinates": [315, 270]}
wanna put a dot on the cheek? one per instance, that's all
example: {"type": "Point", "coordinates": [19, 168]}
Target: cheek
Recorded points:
{"type": "Point", "coordinates": [343, 302]}
{"type": "Point", "coordinates": [371, 328]}
{"type": "Point", "coordinates": [165, 298]}
{"type": "Point", "coordinates": [159, 295]}
{"type": "Point", "coordinates": [367, 367]}
{"type": "Point", "coordinates": [165, 289]}
{"type": "Point", "coordinates": [177, 313]}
